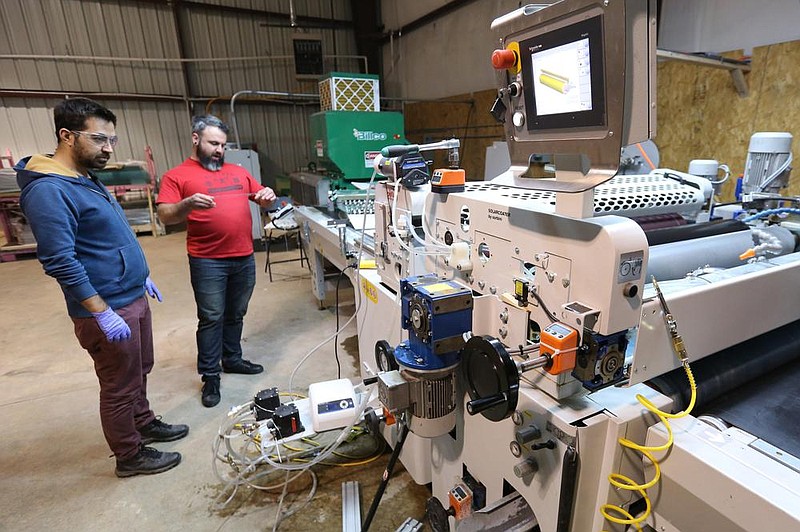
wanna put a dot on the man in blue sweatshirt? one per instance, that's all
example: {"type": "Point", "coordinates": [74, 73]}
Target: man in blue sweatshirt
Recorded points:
{"type": "Point", "coordinates": [85, 243]}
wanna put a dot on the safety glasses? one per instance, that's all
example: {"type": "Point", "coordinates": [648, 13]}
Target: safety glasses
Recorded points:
{"type": "Point", "coordinates": [98, 139]}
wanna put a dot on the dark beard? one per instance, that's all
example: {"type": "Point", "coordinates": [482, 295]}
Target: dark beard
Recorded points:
{"type": "Point", "coordinates": [209, 164]}
{"type": "Point", "coordinates": [94, 163]}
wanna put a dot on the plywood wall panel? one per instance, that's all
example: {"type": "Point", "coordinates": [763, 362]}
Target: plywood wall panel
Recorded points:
{"type": "Point", "coordinates": [700, 115]}
{"type": "Point", "coordinates": [467, 119]}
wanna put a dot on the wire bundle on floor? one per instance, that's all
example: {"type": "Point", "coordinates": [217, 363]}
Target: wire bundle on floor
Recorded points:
{"type": "Point", "coordinates": [256, 460]}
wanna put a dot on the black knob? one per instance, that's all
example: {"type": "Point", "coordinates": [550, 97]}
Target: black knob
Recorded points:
{"type": "Point", "coordinates": [549, 444]}
{"type": "Point", "coordinates": [373, 420]}
{"type": "Point", "coordinates": [384, 356]}
{"type": "Point", "coordinates": [527, 434]}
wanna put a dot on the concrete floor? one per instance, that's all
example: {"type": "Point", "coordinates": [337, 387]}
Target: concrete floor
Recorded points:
{"type": "Point", "coordinates": [56, 470]}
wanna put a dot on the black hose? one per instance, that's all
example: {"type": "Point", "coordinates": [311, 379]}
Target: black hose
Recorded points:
{"type": "Point", "coordinates": [386, 475]}
{"type": "Point", "coordinates": [569, 483]}
{"type": "Point", "coordinates": [336, 337]}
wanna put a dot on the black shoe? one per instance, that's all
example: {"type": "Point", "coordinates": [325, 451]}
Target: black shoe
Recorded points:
{"type": "Point", "coordinates": [245, 367]}
{"type": "Point", "coordinates": [211, 390]}
{"type": "Point", "coordinates": [147, 461]}
{"type": "Point", "coordinates": [157, 430]}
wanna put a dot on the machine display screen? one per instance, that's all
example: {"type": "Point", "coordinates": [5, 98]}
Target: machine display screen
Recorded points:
{"type": "Point", "coordinates": [562, 73]}
{"type": "Point", "coordinates": [557, 329]}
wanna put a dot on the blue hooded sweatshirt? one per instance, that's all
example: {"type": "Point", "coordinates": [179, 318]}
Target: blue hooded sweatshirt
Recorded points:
{"type": "Point", "coordinates": [83, 239]}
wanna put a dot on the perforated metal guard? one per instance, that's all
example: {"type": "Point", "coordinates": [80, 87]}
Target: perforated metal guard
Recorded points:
{"type": "Point", "coordinates": [624, 195]}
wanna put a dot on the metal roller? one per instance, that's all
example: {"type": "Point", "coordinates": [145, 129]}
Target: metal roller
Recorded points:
{"type": "Point", "coordinates": [676, 259]}
{"type": "Point", "coordinates": [666, 235]}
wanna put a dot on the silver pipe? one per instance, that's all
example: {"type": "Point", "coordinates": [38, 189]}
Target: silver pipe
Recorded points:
{"type": "Point", "coordinates": [260, 93]}
{"type": "Point", "coordinates": [142, 59]}
{"type": "Point", "coordinates": [533, 363]}
{"type": "Point", "coordinates": [292, 14]}
{"type": "Point", "coordinates": [116, 59]}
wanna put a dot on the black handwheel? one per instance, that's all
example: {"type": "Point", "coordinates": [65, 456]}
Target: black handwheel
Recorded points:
{"type": "Point", "coordinates": [437, 516]}
{"type": "Point", "coordinates": [384, 356]}
{"type": "Point", "coordinates": [373, 421]}
{"type": "Point", "coordinates": [491, 377]}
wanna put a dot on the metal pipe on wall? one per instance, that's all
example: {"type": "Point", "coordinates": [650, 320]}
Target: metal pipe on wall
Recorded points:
{"type": "Point", "coordinates": [113, 59]}
{"type": "Point", "coordinates": [289, 95]}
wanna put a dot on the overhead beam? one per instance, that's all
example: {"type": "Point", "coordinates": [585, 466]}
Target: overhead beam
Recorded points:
{"type": "Point", "coordinates": [187, 86]}
{"type": "Point", "coordinates": [426, 19]}
{"type": "Point", "coordinates": [736, 68]}
{"type": "Point", "coordinates": [272, 16]}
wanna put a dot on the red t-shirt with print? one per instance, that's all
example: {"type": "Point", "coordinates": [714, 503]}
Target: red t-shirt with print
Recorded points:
{"type": "Point", "coordinates": [224, 230]}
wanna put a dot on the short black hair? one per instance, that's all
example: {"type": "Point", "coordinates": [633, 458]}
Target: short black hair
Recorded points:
{"type": "Point", "coordinates": [72, 114]}
{"type": "Point", "coordinates": [200, 123]}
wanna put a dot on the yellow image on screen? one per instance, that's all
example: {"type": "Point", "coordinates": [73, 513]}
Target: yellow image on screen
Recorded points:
{"type": "Point", "coordinates": [555, 81]}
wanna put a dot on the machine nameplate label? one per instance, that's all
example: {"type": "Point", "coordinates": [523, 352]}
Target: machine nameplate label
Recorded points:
{"type": "Point", "coordinates": [369, 135]}
{"type": "Point", "coordinates": [495, 214]}
{"type": "Point", "coordinates": [560, 434]}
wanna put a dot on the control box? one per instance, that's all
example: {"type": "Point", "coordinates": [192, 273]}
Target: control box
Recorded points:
{"type": "Point", "coordinates": [560, 342]}
{"type": "Point", "coordinates": [333, 404]}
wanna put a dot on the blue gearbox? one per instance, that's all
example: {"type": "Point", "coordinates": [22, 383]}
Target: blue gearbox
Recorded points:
{"type": "Point", "coordinates": [436, 314]}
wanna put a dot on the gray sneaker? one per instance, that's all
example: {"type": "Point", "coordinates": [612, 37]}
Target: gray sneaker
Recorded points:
{"type": "Point", "coordinates": [148, 461]}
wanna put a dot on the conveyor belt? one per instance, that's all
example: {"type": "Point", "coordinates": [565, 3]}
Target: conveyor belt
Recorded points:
{"type": "Point", "coordinates": [767, 408]}
{"type": "Point", "coordinates": [754, 386]}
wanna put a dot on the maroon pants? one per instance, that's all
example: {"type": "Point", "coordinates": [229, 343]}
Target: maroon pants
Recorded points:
{"type": "Point", "coordinates": [122, 369]}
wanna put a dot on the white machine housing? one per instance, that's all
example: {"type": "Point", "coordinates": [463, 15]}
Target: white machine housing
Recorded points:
{"type": "Point", "coordinates": [767, 167]}
{"type": "Point", "coordinates": [589, 271]}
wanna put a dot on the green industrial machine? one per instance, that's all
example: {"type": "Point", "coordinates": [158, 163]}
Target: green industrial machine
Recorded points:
{"type": "Point", "coordinates": [346, 135]}
{"type": "Point", "coordinates": [347, 142]}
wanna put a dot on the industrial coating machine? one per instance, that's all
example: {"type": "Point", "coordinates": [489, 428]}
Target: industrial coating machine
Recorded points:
{"type": "Point", "coordinates": [563, 348]}
{"type": "Point", "coordinates": [575, 350]}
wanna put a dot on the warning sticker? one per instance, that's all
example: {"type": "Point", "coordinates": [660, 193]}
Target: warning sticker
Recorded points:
{"type": "Point", "coordinates": [369, 158]}
{"type": "Point", "coordinates": [369, 290]}
{"type": "Point", "coordinates": [320, 150]}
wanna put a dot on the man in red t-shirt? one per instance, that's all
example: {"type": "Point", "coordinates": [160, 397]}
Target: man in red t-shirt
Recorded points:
{"type": "Point", "coordinates": [212, 197]}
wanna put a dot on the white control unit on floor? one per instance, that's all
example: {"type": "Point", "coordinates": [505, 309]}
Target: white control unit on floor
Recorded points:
{"type": "Point", "coordinates": [333, 404]}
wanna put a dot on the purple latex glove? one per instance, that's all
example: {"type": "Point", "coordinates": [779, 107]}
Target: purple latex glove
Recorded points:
{"type": "Point", "coordinates": [152, 291]}
{"type": "Point", "coordinates": [112, 325]}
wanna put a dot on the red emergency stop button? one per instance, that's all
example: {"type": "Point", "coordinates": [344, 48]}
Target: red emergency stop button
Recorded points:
{"type": "Point", "coordinates": [502, 59]}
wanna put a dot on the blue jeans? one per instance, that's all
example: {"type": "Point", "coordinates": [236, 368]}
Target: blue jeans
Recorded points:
{"type": "Point", "coordinates": [222, 290]}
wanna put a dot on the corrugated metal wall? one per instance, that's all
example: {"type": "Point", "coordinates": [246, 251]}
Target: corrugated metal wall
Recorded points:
{"type": "Point", "coordinates": [154, 110]}
{"type": "Point", "coordinates": [26, 127]}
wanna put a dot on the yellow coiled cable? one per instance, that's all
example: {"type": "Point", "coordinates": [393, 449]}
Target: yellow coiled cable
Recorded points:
{"type": "Point", "coordinates": [626, 483]}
